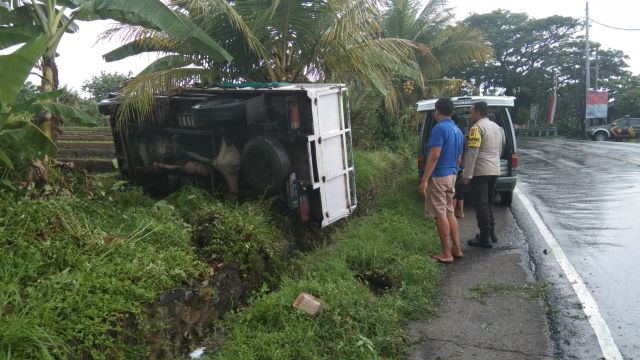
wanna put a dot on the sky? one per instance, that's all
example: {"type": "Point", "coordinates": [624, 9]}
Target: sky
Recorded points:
{"type": "Point", "coordinates": [81, 57]}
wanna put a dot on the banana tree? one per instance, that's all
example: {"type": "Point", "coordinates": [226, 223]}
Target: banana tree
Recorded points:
{"type": "Point", "coordinates": [22, 20]}
{"type": "Point", "coordinates": [20, 141]}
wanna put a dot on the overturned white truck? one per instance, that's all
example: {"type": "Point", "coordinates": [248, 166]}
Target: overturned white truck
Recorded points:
{"type": "Point", "coordinates": [288, 140]}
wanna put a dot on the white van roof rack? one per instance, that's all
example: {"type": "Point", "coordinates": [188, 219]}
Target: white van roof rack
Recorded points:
{"type": "Point", "coordinates": [460, 101]}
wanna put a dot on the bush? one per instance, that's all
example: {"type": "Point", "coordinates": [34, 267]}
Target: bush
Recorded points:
{"type": "Point", "coordinates": [568, 128]}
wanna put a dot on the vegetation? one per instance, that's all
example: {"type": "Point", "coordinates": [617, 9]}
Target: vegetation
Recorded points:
{"type": "Point", "coordinates": [83, 262]}
{"type": "Point", "coordinates": [375, 275]}
{"type": "Point", "coordinates": [40, 25]}
{"type": "Point", "coordinates": [99, 87]}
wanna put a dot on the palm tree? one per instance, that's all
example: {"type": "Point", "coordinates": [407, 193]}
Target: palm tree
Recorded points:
{"type": "Point", "coordinates": [429, 26]}
{"type": "Point", "coordinates": [279, 40]}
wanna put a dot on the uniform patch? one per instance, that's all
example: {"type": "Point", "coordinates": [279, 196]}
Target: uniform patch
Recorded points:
{"type": "Point", "coordinates": [474, 138]}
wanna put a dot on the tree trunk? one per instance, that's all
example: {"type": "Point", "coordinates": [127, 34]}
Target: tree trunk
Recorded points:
{"type": "Point", "coordinates": [49, 82]}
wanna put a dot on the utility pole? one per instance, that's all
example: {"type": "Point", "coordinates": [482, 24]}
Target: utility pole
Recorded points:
{"type": "Point", "coordinates": [587, 70]}
{"type": "Point", "coordinates": [595, 85]}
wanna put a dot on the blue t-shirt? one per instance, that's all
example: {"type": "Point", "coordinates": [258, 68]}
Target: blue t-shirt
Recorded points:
{"type": "Point", "coordinates": [447, 136]}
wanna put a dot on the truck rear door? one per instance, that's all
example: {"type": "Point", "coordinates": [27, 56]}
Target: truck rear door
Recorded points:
{"type": "Point", "coordinates": [334, 154]}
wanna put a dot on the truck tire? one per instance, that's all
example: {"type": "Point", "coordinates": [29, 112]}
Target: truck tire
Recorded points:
{"type": "Point", "coordinates": [265, 164]}
{"type": "Point", "coordinates": [218, 110]}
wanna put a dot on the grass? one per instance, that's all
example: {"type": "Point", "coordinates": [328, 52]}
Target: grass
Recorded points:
{"type": "Point", "coordinates": [534, 290]}
{"type": "Point", "coordinates": [79, 269]}
{"type": "Point", "coordinates": [390, 239]}
{"type": "Point", "coordinates": [81, 266]}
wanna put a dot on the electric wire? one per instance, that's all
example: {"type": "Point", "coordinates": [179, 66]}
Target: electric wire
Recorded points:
{"type": "Point", "coordinates": [612, 27]}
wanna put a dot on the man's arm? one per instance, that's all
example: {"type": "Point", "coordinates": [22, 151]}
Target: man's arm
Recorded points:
{"type": "Point", "coordinates": [432, 160]}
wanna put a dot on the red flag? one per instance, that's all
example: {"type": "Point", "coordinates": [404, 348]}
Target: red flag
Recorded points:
{"type": "Point", "coordinates": [552, 105]}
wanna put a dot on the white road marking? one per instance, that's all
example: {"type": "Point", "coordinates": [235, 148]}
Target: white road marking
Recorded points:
{"type": "Point", "coordinates": [607, 345]}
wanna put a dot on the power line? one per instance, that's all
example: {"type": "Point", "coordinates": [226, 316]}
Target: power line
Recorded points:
{"type": "Point", "coordinates": [613, 27]}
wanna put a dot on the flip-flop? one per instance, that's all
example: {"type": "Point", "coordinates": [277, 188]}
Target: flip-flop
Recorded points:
{"type": "Point", "coordinates": [458, 256]}
{"type": "Point", "coordinates": [441, 261]}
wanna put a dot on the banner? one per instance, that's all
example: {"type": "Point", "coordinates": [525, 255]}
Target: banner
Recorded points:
{"type": "Point", "coordinates": [552, 105]}
{"type": "Point", "coordinates": [597, 102]}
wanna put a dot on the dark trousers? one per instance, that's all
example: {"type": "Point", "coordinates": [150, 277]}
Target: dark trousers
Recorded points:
{"type": "Point", "coordinates": [482, 190]}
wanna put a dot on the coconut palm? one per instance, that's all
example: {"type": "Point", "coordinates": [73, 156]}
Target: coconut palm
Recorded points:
{"type": "Point", "coordinates": [430, 25]}
{"type": "Point", "coordinates": [279, 40]}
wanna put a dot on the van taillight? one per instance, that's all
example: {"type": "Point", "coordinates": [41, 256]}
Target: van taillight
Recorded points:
{"type": "Point", "coordinates": [304, 208]}
{"type": "Point", "coordinates": [294, 114]}
{"type": "Point", "coordinates": [514, 160]}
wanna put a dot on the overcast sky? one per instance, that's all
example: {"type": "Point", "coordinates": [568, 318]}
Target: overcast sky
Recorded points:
{"type": "Point", "coordinates": [81, 58]}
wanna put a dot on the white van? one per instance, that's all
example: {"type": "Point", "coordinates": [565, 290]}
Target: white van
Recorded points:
{"type": "Point", "coordinates": [498, 113]}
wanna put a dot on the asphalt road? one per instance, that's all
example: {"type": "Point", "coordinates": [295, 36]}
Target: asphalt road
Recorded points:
{"type": "Point", "coordinates": [588, 195]}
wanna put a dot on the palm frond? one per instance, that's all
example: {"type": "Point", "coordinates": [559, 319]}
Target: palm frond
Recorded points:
{"type": "Point", "coordinates": [139, 93]}
{"type": "Point", "coordinates": [457, 46]}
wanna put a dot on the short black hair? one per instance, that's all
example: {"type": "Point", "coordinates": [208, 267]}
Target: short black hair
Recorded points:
{"type": "Point", "coordinates": [481, 108]}
{"type": "Point", "coordinates": [444, 106]}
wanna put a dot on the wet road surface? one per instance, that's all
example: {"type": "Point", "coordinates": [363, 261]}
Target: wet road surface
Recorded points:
{"type": "Point", "coordinates": [588, 194]}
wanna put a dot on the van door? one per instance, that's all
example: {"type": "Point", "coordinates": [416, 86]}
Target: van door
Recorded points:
{"type": "Point", "coordinates": [334, 157]}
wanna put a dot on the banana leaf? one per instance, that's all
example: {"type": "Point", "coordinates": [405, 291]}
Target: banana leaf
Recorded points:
{"type": "Point", "coordinates": [66, 111]}
{"type": "Point", "coordinates": [15, 68]}
{"type": "Point", "coordinates": [22, 141]}
{"type": "Point", "coordinates": [14, 35]}
{"type": "Point", "coordinates": [152, 14]}
{"type": "Point", "coordinates": [25, 106]}
{"type": "Point", "coordinates": [132, 48]}
{"type": "Point", "coordinates": [5, 160]}
{"type": "Point", "coordinates": [166, 63]}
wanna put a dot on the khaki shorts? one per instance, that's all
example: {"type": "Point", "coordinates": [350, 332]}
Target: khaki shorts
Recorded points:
{"type": "Point", "coordinates": [439, 199]}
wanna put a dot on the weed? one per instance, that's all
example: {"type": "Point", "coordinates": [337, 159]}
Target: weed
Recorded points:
{"type": "Point", "coordinates": [535, 290]}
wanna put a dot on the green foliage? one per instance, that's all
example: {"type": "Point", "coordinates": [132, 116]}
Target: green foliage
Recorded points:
{"type": "Point", "coordinates": [356, 321]}
{"type": "Point", "coordinates": [626, 92]}
{"type": "Point", "coordinates": [568, 128]}
{"type": "Point", "coordinates": [525, 51]}
{"type": "Point", "coordinates": [376, 128]}
{"type": "Point", "coordinates": [28, 91]}
{"type": "Point", "coordinates": [77, 272]}
{"type": "Point", "coordinates": [233, 232]}
{"type": "Point", "coordinates": [15, 67]}
{"type": "Point", "coordinates": [99, 87]}
{"type": "Point", "coordinates": [375, 170]}
{"type": "Point", "coordinates": [21, 142]}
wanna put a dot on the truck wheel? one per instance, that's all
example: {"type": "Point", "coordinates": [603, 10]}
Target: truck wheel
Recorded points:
{"type": "Point", "coordinates": [506, 197]}
{"type": "Point", "coordinates": [265, 163]}
{"type": "Point", "coordinates": [218, 110]}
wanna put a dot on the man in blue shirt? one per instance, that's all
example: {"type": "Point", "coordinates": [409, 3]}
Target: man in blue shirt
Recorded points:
{"type": "Point", "coordinates": [438, 181]}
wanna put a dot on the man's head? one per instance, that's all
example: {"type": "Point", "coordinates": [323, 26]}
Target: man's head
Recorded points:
{"type": "Point", "coordinates": [444, 108]}
{"type": "Point", "coordinates": [478, 110]}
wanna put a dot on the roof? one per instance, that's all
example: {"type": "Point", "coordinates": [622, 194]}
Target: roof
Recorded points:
{"type": "Point", "coordinates": [464, 101]}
